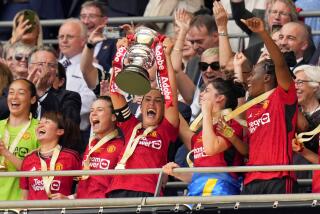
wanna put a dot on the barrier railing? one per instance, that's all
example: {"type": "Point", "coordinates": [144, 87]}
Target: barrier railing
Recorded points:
{"type": "Point", "coordinates": [159, 170]}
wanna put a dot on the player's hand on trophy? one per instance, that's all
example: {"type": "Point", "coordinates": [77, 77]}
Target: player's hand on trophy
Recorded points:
{"type": "Point", "coordinates": [167, 46]}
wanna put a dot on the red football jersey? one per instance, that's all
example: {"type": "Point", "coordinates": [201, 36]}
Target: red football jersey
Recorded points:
{"type": "Point", "coordinates": [151, 152]}
{"type": "Point", "coordinates": [67, 160]}
{"type": "Point", "coordinates": [106, 157]}
{"type": "Point", "coordinates": [271, 128]}
{"type": "Point", "coordinates": [203, 160]}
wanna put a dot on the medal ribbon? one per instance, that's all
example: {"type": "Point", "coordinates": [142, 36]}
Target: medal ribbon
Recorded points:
{"type": "Point", "coordinates": [196, 124]}
{"type": "Point", "coordinates": [15, 142]}
{"type": "Point", "coordinates": [132, 144]}
{"type": "Point", "coordinates": [47, 180]}
{"type": "Point", "coordinates": [101, 142]}
{"type": "Point", "coordinates": [312, 133]}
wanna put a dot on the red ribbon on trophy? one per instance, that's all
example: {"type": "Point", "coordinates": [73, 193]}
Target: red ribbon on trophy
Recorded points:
{"type": "Point", "coordinates": [117, 65]}
{"type": "Point", "coordinates": [162, 72]}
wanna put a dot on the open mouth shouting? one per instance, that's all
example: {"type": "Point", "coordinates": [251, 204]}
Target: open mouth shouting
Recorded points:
{"type": "Point", "coordinates": [151, 113]}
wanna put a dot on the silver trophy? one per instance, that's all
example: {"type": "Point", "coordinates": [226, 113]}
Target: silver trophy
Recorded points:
{"type": "Point", "coordinates": [134, 78]}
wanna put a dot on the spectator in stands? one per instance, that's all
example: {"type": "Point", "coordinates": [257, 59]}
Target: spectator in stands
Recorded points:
{"type": "Point", "coordinates": [279, 12]}
{"type": "Point", "coordinates": [8, 55]}
{"type": "Point", "coordinates": [103, 150]}
{"type": "Point", "coordinates": [294, 36]}
{"type": "Point", "coordinates": [94, 14]}
{"type": "Point", "coordinates": [25, 32]}
{"type": "Point", "coordinates": [56, 137]}
{"type": "Point", "coordinates": [182, 50]}
{"type": "Point", "coordinates": [308, 92]}
{"type": "Point", "coordinates": [43, 69]}
{"type": "Point", "coordinates": [210, 147]}
{"type": "Point", "coordinates": [72, 39]}
{"type": "Point", "coordinates": [20, 60]}
{"type": "Point", "coordinates": [203, 35]}
{"type": "Point", "coordinates": [5, 80]}
{"type": "Point", "coordinates": [269, 139]}
{"type": "Point", "coordinates": [18, 136]}
{"type": "Point", "coordinates": [69, 101]}
{"type": "Point", "coordinates": [151, 137]}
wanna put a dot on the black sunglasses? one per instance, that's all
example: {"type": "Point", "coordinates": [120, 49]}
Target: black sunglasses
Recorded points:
{"type": "Point", "coordinates": [204, 66]}
{"type": "Point", "coordinates": [19, 57]}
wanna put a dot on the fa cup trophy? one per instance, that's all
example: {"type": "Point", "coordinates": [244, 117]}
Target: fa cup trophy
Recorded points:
{"type": "Point", "coordinates": [134, 78]}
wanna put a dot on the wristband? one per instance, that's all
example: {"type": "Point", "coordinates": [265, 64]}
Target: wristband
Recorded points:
{"type": "Point", "coordinates": [90, 45]}
{"type": "Point", "coordinates": [123, 113]}
{"type": "Point", "coordinates": [222, 33]}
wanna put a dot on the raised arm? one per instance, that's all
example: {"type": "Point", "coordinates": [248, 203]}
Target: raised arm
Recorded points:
{"type": "Point", "coordinates": [283, 75]}
{"type": "Point", "coordinates": [118, 100]}
{"type": "Point", "coordinates": [182, 20]}
{"type": "Point", "coordinates": [171, 113]}
{"type": "Point", "coordinates": [90, 73]}
{"type": "Point", "coordinates": [212, 143]}
{"type": "Point", "coordinates": [239, 11]}
{"type": "Point", "coordinates": [221, 18]}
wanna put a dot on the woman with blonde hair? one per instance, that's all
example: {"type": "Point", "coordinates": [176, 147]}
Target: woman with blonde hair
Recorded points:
{"type": "Point", "coordinates": [27, 28]}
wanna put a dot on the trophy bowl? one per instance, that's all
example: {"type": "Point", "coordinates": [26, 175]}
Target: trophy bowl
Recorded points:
{"type": "Point", "coordinates": [134, 78]}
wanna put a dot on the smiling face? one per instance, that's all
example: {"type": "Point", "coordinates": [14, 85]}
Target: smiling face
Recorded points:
{"type": "Point", "coordinates": [201, 39]}
{"type": "Point", "coordinates": [279, 14]}
{"type": "Point", "coordinates": [256, 80]}
{"type": "Point", "coordinates": [48, 131]}
{"type": "Point", "coordinates": [152, 108]}
{"type": "Point", "coordinates": [19, 99]}
{"type": "Point", "coordinates": [101, 117]}
{"type": "Point", "coordinates": [212, 95]}
{"type": "Point", "coordinates": [92, 17]}
{"type": "Point", "coordinates": [210, 74]}
{"type": "Point", "coordinates": [70, 38]}
{"type": "Point", "coordinates": [305, 91]}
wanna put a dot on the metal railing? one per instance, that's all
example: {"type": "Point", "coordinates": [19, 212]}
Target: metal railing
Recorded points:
{"type": "Point", "coordinates": [151, 201]}
{"type": "Point", "coordinates": [269, 168]}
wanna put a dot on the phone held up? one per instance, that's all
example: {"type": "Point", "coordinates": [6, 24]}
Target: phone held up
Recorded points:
{"type": "Point", "coordinates": [113, 32]}
{"type": "Point", "coordinates": [30, 16]}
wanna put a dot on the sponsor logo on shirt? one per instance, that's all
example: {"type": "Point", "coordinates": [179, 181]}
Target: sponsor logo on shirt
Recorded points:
{"type": "Point", "coordinates": [99, 163]}
{"type": "Point", "coordinates": [264, 119]}
{"type": "Point", "coordinates": [199, 153]}
{"type": "Point", "coordinates": [155, 144]}
{"type": "Point", "coordinates": [21, 151]}
{"type": "Point", "coordinates": [37, 185]}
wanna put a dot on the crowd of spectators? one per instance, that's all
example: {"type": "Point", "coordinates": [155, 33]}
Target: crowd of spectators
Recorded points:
{"type": "Point", "coordinates": [60, 108]}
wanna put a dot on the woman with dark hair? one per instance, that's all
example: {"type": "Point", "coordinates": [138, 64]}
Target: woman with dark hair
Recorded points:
{"type": "Point", "coordinates": [5, 80]}
{"type": "Point", "coordinates": [56, 136]}
{"type": "Point", "coordinates": [213, 145]}
{"type": "Point", "coordinates": [103, 150]}
{"type": "Point", "coordinates": [17, 134]}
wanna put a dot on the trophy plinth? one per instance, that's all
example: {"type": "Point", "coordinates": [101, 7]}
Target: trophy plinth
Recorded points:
{"type": "Point", "coordinates": [134, 79]}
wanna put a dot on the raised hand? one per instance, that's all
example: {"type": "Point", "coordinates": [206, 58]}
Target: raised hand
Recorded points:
{"type": "Point", "coordinates": [104, 88]}
{"type": "Point", "coordinates": [21, 29]}
{"type": "Point", "coordinates": [220, 15]}
{"type": "Point", "coordinates": [254, 24]}
{"type": "Point", "coordinates": [96, 35]}
{"type": "Point", "coordinates": [238, 61]}
{"type": "Point", "coordinates": [182, 19]}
